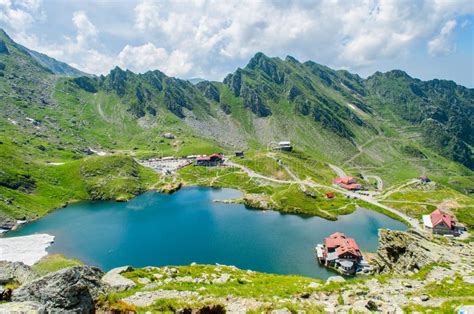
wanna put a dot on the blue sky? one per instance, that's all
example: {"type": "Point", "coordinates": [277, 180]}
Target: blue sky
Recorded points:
{"type": "Point", "coordinates": [208, 39]}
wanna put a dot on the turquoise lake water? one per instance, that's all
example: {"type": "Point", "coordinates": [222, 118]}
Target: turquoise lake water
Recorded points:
{"type": "Point", "coordinates": [155, 229]}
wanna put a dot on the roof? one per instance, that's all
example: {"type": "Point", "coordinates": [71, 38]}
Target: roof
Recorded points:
{"type": "Point", "coordinates": [345, 180]}
{"type": "Point", "coordinates": [207, 158]}
{"type": "Point", "coordinates": [352, 186]}
{"type": "Point", "coordinates": [284, 143]}
{"type": "Point", "coordinates": [216, 156]}
{"type": "Point", "coordinates": [438, 216]}
{"type": "Point", "coordinates": [203, 158]}
{"type": "Point", "coordinates": [342, 244]}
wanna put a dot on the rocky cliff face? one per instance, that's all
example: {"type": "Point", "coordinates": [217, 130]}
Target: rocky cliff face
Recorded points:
{"type": "Point", "coordinates": [73, 289]}
{"type": "Point", "coordinates": [407, 252]}
{"type": "Point", "coordinates": [402, 252]}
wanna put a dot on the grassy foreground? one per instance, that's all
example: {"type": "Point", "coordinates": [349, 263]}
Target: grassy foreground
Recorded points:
{"type": "Point", "coordinates": [219, 285]}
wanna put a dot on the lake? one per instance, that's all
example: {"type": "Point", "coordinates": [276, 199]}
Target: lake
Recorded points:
{"type": "Point", "coordinates": [156, 229]}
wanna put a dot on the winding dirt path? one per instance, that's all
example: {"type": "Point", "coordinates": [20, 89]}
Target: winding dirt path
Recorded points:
{"type": "Point", "coordinates": [412, 221]}
{"type": "Point", "coordinates": [339, 172]}
{"type": "Point", "coordinates": [379, 181]}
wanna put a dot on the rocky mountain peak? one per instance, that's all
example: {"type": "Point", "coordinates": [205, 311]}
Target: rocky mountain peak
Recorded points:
{"type": "Point", "coordinates": [291, 59]}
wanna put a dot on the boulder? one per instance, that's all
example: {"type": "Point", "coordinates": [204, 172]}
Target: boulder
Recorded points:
{"type": "Point", "coordinates": [371, 306]}
{"type": "Point", "coordinates": [335, 279]}
{"type": "Point", "coordinates": [70, 289]}
{"type": "Point", "coordinates": [118, 282]}
{"type": "Point", "coordinates": [144, 281]}
{"type": "Point", "coordinates": [222, 279]}
{"type": "Point", "coordinates": [314, 285]}
{"type": "Point", "coordinates": [15, 271]}
{"type": "Point", "coordinates": [7, 223]}
{"type": "Point", "coordinates": [22, 307]}
{"type": "Point", "coordinates": [468, 279]}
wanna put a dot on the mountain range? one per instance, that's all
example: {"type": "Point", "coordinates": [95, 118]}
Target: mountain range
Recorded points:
{"type": "Point", "coordinates": [388, 124]}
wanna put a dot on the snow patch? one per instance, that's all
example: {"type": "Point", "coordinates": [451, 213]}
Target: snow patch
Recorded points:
{"type": "Point", "coordinates": [25, 249]}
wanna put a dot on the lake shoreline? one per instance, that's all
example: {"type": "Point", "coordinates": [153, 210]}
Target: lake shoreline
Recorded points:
{"type": "Point", "coordinates": [10, 224]}
{"type": "Point", "coordinates": [153, 229]}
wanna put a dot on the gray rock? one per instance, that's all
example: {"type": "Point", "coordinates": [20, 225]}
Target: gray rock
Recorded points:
{"type": "Point", "coordinates": [371, 306]}
{"type": "Point", "coordinates": [424, 297]}
{"type": "Point", "coordinates": [185, 279]}
{"type": "Point", "coordinates": [15, 271]}
{"type": "Point", "coordinates": [7, 223]}
{"type": "Point", "coordinates": [335, 279]}
{"type": "Point", "coordinates": [468, 279]}
{"type": "Point", "coordinates": [144, 280]}
{"type": "Point", "coordinates": [22, 307]}
{"type": "Point", "coordinates": [147, 298]}
{"type": "Point", "coordinates": [405, 252]}
{"type": "Point", "coordinates": [222, 279]}
{"type": "Point", "coordinates": [70, 289]}
{"type": "Point", "coordinates": [314, 285]}
{"type": "Point", "coordinates": [118, 282]}
{"type": "Point", "coordinates": [5, 278]}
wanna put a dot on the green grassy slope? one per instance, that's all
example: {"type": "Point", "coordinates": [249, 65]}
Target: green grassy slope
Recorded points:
{"type": "Point", "coordinates": [40, 187]}
{"type": "Point", "coordinates": [330, 117]}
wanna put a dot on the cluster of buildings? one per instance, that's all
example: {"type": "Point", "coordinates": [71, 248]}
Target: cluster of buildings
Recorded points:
{"type": "Point", "coordinates": [348, 183]}
{"type": "Point", "coordinates": [210, 161]}
{"type": "Point", "coordinates": [169, 165]}
{"type": "Point", "coordinates": [439, 222]}
{"type": "Point", "coordinates": [342, 254]}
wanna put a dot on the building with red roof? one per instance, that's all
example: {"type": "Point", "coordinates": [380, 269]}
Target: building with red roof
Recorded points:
{"type": "Point", "coordinates": [209, 161]}
{"type": "Point", "coordinates": [330, 195]}
{"type": "Point", "coordinates": [348, 183]}
{"type": "Point", "coordinates": [345, 180]}
{"type": "Point", "coordinates": [340, 252]}
{"type": "Point", "coordinates": [439, 222]}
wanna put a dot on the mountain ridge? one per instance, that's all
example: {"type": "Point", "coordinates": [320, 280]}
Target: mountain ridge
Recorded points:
{"type": "Point", "coordinates": [381, 126]}
{"type": "Point", "coordinates": [55, 66]}
{"type": "Point", "coordinates": [337, 101]}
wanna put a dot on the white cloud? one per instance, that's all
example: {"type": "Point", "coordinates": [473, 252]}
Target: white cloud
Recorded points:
{"type": "Point", "coordinates": [18, 16]}
{"type": "Point", "coordinates": [209, 38]}
{"type": "Point", "coordinates": [146, 14]}
{"type": "Point", "coordinates": [442, 43]}
{"type": "Point", "coordinates": [148, 57]}
{"type": "Point", "coordinates": [342, 34]}
{"type": "Point", "coordinates": [85, 29]}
